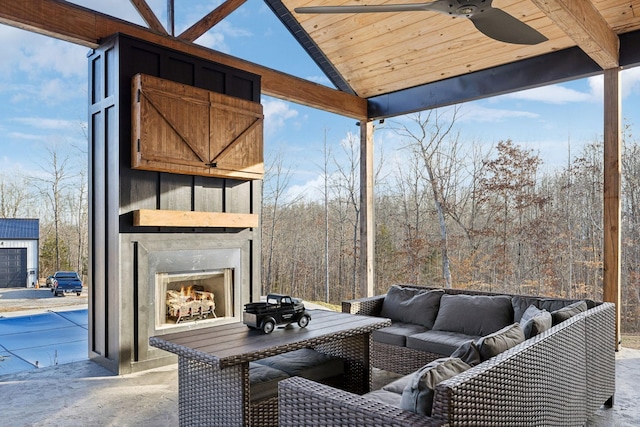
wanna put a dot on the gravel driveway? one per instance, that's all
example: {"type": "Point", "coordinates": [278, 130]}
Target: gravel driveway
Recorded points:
{"type": "Point", "coordinates": [16, 300]}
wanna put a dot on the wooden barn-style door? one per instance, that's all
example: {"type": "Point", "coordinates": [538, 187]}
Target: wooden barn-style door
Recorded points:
{"type": "Point", "coordinates": [187, 130]}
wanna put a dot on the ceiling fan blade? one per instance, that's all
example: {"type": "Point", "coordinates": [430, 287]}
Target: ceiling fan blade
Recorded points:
{"type": "Point", "coordinates": [436, 6]}
{"type": "Point", "coordinates": [494, 23]}
{"type": "Point", "coordinates": [501, 26]}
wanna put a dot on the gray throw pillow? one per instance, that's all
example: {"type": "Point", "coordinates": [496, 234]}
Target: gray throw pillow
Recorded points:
{"type": "Point", "coordinates": [535, 321]}
{"type": "Point", "coordinates": [475, 315]}
{"type": "Point", "coordinates": [410, 305]}
{"type": "Point", "coordinates": [500, 341]}
{"type": "Point", "coordinates": [417, 396]}
{"type": "Point", "coordinates": [568, 312]}
{"type": "Point", "coordinates": [469, 353]}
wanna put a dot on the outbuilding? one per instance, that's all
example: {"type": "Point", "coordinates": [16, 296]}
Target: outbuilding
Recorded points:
{"type": "Point", "coordinates": [19, 239]}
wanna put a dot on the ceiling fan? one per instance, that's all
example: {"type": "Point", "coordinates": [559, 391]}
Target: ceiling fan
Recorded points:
{"type": "Point", "coordinates": [490, 21]}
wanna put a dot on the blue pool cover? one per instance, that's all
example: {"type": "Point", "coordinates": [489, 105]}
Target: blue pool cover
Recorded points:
{"type": "Point", "coordinates": [41, 340]}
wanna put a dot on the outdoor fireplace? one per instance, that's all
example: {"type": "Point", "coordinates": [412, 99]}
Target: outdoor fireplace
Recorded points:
{"type": "Point", "coordinates": [192, 287]}
{"type": "Point", "coordinates": [193, 296]}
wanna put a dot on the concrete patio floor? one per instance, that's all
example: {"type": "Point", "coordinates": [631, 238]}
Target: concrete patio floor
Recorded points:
{"type": "Point", "coordinates": [77, 392]}
{"type": "Point", "coordinates": [85, 394]}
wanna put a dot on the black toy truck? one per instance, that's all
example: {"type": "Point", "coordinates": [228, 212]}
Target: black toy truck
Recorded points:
{"type": "Point", "coordinates": [277, 310]}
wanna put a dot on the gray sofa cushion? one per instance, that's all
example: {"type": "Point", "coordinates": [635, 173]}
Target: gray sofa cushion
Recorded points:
{"type": "Point", "coordinates": [477, 315]}
{"type": "Point", "coordinates": [391, 394]}
{"type": "Point", "coordinates": [469, 353]}
{"type": "Point", "coordinates": [567, 312]}
{"type": "Point", "coordinates": [397, 333]}
{"type": "Point", "coordinates": [418, 394]}
{"type": "Point", "coordinates": [522, 302]}
{"type": "Point", "coordinates": [306, 363]}
{"type": "Point", "coordinates": [440, 342]}
{"type": "Point", "coordinates": [386, 397]}
{"type": "Point", "coordinates": [263, 381]}
{"type": "Point", "coordinates": [535, 321]}
{"type": "Point", "coordinates": [500, 341]}
{"type": "Point", "coordinates": [410, 305]}
{"type": "Point", "coordinates": [399, 385]}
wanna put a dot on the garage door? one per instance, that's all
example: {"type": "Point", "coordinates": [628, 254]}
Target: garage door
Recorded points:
{"type": "Point", "coordinates": [13, 268]}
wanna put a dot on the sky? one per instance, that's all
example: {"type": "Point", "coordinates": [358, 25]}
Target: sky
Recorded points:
{"type": "Point", "coordinates": [43, 97]}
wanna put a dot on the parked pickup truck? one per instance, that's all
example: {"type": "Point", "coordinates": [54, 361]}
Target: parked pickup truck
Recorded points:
{"type": "Point", "coordinates": [66, 281]}
{"type": "Point", "coordinates": [277, 310]}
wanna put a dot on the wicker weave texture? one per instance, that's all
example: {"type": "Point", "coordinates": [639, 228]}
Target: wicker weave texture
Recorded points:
{"type": "Point", "coordinates": [369, 306]}
{"type": "Point", "coordinates": [214, 375]}
{"type": "Point", "coordinates": [601, 347]}
{"type": "Point", "coordinates": [401, 360]}
{"type": "Point", "coordinates": [554, 379]}
{"type": "Point", "coordinates": [265, 412]}
{"type": "Point", "coordinates": [539, 382]}
{"type": "Point", "coordinates": [354, 351]}
{"type": "Point", "coordinates": [307, 403]}
{"type": "Point", "coordinates": [210, 396]}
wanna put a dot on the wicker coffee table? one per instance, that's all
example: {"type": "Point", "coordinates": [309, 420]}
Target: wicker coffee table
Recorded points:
{"type": "Point", "coordinates": [213, 364]}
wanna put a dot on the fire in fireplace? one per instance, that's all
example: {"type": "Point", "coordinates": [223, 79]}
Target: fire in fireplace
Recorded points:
{"type": "Point", "coordinates": [194, 296]}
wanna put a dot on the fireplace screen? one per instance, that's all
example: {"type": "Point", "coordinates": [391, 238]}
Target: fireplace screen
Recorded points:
{"type": "Point", "coordinates": [194, 296]}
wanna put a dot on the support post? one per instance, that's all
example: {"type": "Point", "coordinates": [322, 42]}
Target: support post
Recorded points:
{"type": "Point", "coordinates": [612, 185]}
{"type": "Point", "coordinates": [367, 217]}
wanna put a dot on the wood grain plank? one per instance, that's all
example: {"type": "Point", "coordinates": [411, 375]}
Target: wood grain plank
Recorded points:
{"type": "Point", "coordinates": [210, 20]}
{"type": "Point", "coordinates": [149, 17]}
{"type": "Point", "coordinates": [612, 222]}
{"type": "Point", "coordinates": [587, 27]}
{"type": "Point", "coordinates": [173, 218]}
{"type": "Point", "coordinates": [182, 129]}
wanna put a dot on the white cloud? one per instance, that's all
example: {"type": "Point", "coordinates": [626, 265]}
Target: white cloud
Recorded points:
{"type": "Point", "coordinates": [49, 124]}
{"type": "Point", "coordinates": [214, 40]}
{"type": "Point", "coordinates": [555, 94]}
{"type": "Point", "coordinates": [33, 56]}
{"type": "Point", "coordinates": [122, 9]}
{"type": "Point", "coordinates": [59, 91]}
{"type": "Point", "coordinates": [321, 79]}
{"type": "Point", "coordinates": [472, 112]}
{"type": "Point", "coordinates": [25, 136]}
{"type": "Point", "coordinates": [276, 114]}
{"type": "Point", "coordinates": [309, 191]}
{"type": "Point", "coordinates": [630, 81]}
{"type": "Point", "coordinates": [216, 37]}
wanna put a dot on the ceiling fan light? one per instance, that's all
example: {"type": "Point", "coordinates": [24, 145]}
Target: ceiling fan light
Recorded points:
{"type": "Point", "coordinates": [467, 10]}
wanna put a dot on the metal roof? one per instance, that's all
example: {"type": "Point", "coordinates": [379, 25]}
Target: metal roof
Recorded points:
{"type": "Point", "coordinates": [19, 228]}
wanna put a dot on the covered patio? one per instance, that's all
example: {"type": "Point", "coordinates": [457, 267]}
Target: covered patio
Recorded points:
{"type": "Point", "coordinates": [579, 39]}
{"type": "Point", "coordinates": [402, 72]}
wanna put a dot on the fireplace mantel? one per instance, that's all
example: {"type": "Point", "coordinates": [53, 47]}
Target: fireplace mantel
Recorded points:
{"type": "Point", "coordinates": [169, 218]}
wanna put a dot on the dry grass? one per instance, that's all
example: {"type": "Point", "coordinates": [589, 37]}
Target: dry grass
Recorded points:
{"type": "Point", "coordinates": [334, 307]}
{"type": "Point", "coordinates": [631, 341]}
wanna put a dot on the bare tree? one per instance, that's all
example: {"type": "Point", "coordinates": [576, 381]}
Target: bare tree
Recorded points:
{"type": "Point", "coordinates": [413, 208]}
{"type": "Point", "coordinates": [53, 184]}
{"type": "Point", "coordinates": [347, 188]}
{"type": "Point", "coordinates": [14, 196]}
{"type": "Point", "coordinates": [429, 133]}
{"type": "Point", "coordinates": [276, 183]}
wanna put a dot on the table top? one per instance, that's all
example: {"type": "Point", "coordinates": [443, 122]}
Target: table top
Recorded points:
{"type": "Point", "coordinates": [235, 343]}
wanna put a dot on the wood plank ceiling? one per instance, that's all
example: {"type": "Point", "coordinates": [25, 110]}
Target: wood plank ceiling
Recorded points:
{"type": "Point", "coordinates": [380, 53]}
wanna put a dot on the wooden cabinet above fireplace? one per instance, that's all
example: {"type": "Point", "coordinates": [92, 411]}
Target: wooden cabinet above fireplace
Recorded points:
{"type": "Point", "coordinates": [182, 129]}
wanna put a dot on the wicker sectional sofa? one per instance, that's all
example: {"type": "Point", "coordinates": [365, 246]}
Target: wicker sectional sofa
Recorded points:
{"type": "Point", "coordinates": [557, 377]}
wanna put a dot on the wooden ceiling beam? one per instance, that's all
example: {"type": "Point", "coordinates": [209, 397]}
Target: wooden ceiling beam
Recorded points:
{"type": "Point", "coordinates": [149, 17]}
{"type": "Point", "coordinates": [581, 21]}
{"type": "Point", "coordinates": [76, 24]}
{"type": "Point", "coordinates": [206, 23]}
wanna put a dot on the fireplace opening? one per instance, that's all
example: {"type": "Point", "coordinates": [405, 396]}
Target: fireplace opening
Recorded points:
{"type": "Point", "coordinates": [194, 296]}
